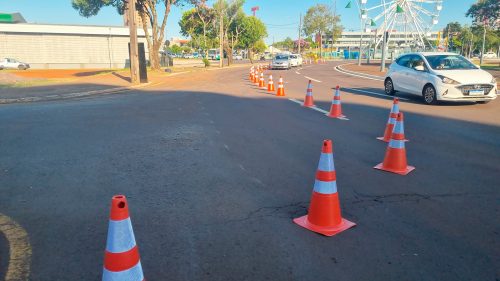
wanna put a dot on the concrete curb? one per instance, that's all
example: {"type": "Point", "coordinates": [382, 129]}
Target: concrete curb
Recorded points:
{"type": "Point", "coordinates": [360, 74]}
{"type": "Point", "coordinates": [83, 94]}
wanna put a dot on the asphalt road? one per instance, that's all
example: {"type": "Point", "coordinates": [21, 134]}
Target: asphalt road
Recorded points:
{"type": "Point", "coordinates": [215, 169]}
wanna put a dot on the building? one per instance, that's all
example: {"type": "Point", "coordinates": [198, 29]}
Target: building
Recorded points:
{"type": "Point", "coordinates": [11, 18]}
{"type": "Point", "coordinates": [67, 46]}
{"type": "Point", "coordinates": [350, 39]}
{"type": "Point", "coordinates": [176, 41]}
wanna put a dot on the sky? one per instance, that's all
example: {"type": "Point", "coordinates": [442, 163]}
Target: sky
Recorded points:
{"type": "Point", "coordinates": [280, 16]}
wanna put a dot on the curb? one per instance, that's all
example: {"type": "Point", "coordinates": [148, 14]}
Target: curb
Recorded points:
{"type": "Point", "coordinates": [83, 94]}
{"type": "Point", "coordinates": [360, 74]}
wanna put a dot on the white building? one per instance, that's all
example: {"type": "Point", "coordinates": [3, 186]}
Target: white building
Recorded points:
{"type": "Point", "coordinates": [67, 46]}
{"type": "Point", "coordinates": [350, 39]}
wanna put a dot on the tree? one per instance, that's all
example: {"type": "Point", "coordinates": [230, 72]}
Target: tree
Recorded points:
{"type": "Point", "coordinates": [487, 11]}
{"type": "Point", "coordinates": [318, 20]}
{"type": "Point", "coordinates": [253, 31]}
{"type": "Point", "coordinates": [148, 12]}
{"type": "Point", "coordinates": [198, 23]}
{"type": "Point", "coordinates": [227, 12]}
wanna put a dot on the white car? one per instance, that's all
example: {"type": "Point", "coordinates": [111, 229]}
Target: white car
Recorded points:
{"type": "Point", "coordinates": [440, 77]}
{"type": "Point", "coordinates": [295, 60]}
{"type": "Point", "coordinates": [13, 64]}
{"type": "Point", "coordinates": [237, 57]}
{"type": "Point", "coordinates": [490, 55]}
{"type": "Point", "coordinates": [281, 61]}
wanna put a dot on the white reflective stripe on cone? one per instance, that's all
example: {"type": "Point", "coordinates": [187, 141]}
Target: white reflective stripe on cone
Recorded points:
{"type": "Point", "coordinates": [325, 187]}
{"type": "Point", "coordinates": [397, 144]}
{"type": "Point", "coordinates": [326, 162]}
{"type": "Point", "coordinates": [120, 236]}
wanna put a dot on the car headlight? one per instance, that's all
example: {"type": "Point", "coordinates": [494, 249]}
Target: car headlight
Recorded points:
{"type": "Point", "coordinates": [447, 80]}
{"type": "Point", "coordinates": [493, 80]}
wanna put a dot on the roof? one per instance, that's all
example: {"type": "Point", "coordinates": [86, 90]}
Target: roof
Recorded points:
{"type": "Point", "coordinates": [67, 29]}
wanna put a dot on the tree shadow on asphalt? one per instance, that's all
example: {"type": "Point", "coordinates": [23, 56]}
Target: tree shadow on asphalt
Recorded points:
{"type": "Point", "coordinates": [214, 180]}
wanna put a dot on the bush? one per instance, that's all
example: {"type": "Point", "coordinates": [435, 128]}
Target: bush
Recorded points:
{"type": "Point", "coordinates": [206, 62]}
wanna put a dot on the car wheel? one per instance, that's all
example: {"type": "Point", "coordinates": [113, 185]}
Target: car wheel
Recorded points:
{"type": "Point", "coordinates": [389, 87]}
{"type": "Point", "coordinates": [429, 94]}
{"type": "Point", "coordinates": [21, 67]}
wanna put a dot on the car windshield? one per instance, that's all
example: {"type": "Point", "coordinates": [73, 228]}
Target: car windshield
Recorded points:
{"type": "Point", "coordinates": [281, 57]}
{"type": "Point", "coordinates": [449, 62]}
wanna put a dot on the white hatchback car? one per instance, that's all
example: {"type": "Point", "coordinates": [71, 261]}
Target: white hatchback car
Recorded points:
{"type": "Point", "coordinates": [295, 60]}
{"type": "Point", "coordinates": [440, 77]}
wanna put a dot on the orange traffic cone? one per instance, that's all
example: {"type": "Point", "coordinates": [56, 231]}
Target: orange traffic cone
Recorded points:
{"type": "Point", "coordinates": [336, 107]}
{"type": "Point", "coordinates": [395, 155]}
{"type": "Point", "coordinates": [251, 73]}
{"type": "Point", "coordinates": [262, 84]}
{"type": "Point", "coordinates": [256, 77]}
{"type": "Point", "coordinates": [391, 121]}
{"type": "Point", "coordinates": [324, 215]}
{"type": "Point", "coordinates": [309, 101]}
{"type": "Point", "coordinates": [270, 84]}
{"type": "Point", "coordinates": [121, 258]}
{"type": "Point", "coordinates": [281, 89]}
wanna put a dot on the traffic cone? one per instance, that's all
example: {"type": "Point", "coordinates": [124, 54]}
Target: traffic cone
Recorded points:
{"type": "Point", "coordinates": [256, 77]}
{"type": "Point", "coordinates": [336, 107]}
{"type": "Point", "coordinates": [395, 155]}
{"type": "Point", "coordinates": [391, 121]}
{"type": "Point", "coordinates": [324, 215]}
{"type": "Point", "coordinates": [270, 84]}
{"type": "Point", "coordinates": [121, 258]}
{"type": "Point", "coordinates": [262, 84]}
{"type": "Point", "coordinates": [309, 101]}
{"type": "Point", "coordinates": [281, 89]}
{"type": "Point", "coordinates": [251, 73]}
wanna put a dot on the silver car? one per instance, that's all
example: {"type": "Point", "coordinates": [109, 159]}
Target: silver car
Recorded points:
{"type": "Point", "coordinates": [281, 61]}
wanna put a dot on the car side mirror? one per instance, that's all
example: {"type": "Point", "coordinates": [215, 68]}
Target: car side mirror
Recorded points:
{"type": "Point", "coordinates": [419, 68]}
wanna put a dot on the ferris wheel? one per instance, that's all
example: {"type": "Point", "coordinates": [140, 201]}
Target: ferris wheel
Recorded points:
{"type": "Point", "coordinates": [407, 22]}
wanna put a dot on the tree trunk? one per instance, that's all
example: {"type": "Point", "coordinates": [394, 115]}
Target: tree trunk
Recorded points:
{"type": "Point", "coordinates": [250, 55]}
{"type": "Point", "coordinates": [154, 56]}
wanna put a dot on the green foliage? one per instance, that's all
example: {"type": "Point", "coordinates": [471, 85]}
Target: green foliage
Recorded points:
{"type": "Point", "coordinates": [253, 30]}
{"type": "Point", "coordinates": [176, 49]}
{"type": "Point", "coordinates": [259, 46]}
{"type": "Point", "coordinates": [287, 44]}
{"type": "Point", "coordinates": [488, 10]}
{"type": "Point", "coordinates": [206, 62]}
{"type": "Point", "coordinates": [318, 19]}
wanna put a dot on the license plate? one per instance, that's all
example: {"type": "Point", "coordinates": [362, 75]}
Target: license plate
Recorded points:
{"type": "Point", "coordinates": [476, 92]}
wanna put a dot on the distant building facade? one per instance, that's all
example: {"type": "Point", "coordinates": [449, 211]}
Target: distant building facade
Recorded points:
{"type": "Point", "coordinates": [49, 46]}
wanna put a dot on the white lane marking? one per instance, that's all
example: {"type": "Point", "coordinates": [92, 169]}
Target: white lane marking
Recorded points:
{"type": "Point", "coordinates": [226, 147]}
{"type": "Point", "coordinates": [297, 72]}
{"type": "Point", "coordinates": [295, 101]}
{"type": "Point", "coordinates": [361, 76]}
{"type": "Point", "coordinates": [341, 118]}
{"type": "Point", "coordinates": [373, 93]}
{"type": "Point", "coordinates": [19, 260]}
{"type": "Point", "coordinates": [319, 109]}
{"type": "Point", "coordinates": [312, 79]}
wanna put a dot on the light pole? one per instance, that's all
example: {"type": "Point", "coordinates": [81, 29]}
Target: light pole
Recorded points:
{"type": "Point", "coordinates": [134, 52]}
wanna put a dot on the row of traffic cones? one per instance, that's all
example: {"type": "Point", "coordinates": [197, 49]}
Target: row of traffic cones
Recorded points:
{"type": "Point", "coordinates": [256, 76]}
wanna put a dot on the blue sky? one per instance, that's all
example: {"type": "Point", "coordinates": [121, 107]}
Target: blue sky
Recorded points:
{"type": "Point", "coordinates": [281, 16]}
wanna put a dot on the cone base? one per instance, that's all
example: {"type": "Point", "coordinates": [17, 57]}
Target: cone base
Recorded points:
{"type": "Point", "coordinates": [400, 172]}
{"type": "Point", "coordinates": [325, 230]}
{"type": "Point", "coordinates": [336, 116]}
{"type": "Point", "coordinates": [382, 139]}
{"type": "Point", "coordinates": [308, 105]}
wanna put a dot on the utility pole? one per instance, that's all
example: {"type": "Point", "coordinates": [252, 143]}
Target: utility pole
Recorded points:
{"type": "Point", "coordinates": [134, 53]}
{"type": "Point", "coordinates": [221, 39]}
{"type": "Point", "coordinates": [360, 42]}
{"type": "Point", "coordinates": [384, 51]}
{"type": "Point", "coordinates": [300, 28]}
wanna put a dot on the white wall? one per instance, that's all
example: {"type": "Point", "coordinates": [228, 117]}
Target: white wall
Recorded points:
{"type": "Point", "coordinates": [63, 46]}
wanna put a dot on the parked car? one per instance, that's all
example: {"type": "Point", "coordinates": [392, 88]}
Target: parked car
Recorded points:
{"type": "Point", "coordinates": [440, 77]}
{"type": "Point", "coordinates": [281, 61]}
{"type": "Point", "coordinates": [295, 60]}
{"type": "Point", "coordinates": [490, 55]}
{"type": "Point", "coordinates": [8, 63]}
{"type": "Point", "coordinates": [188, 56]}
{"type": "Point", "coordinates": [237, 57]}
